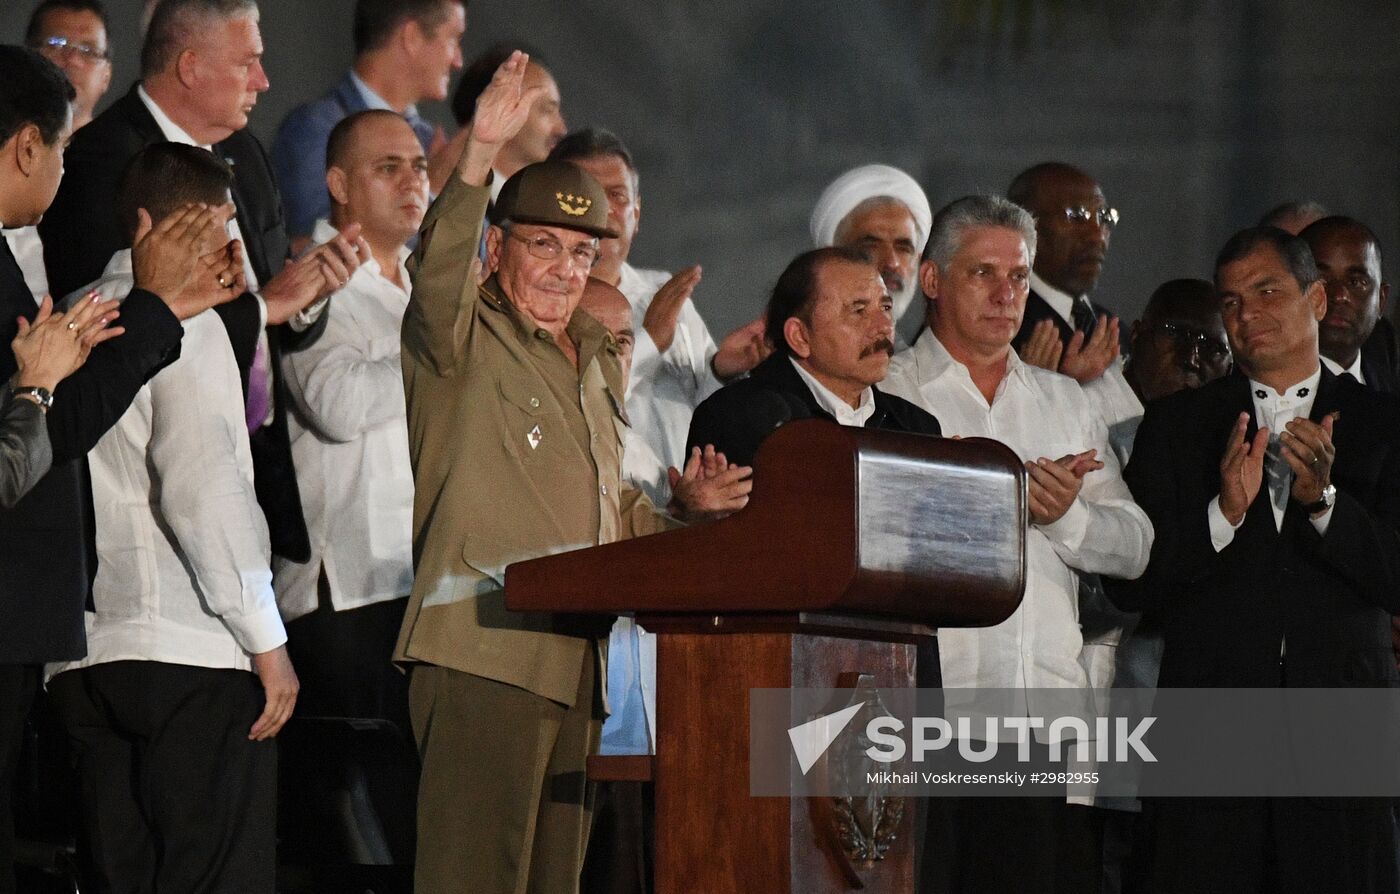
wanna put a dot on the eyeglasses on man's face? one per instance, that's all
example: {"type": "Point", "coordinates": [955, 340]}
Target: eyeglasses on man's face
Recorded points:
{"type": "Point", "coordinates": [1185, 340]}
{"type": "Point", "coordinates": [547, 248]}
{"type": "Point", "coordinates": [1104, 217]}
{"type": "Point", "coordinates": [62, 46]}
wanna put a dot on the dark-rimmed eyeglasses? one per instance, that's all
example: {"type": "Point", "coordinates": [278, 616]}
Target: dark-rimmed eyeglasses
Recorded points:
{"type": "Point", "coordinates": [1185, 339]}
{"type": "Point", "coordinates": [1104, 217]}
{"type": "Point", "coordinates": [63, 45]}
{"type": "Point", "coordinates": [547, 248]}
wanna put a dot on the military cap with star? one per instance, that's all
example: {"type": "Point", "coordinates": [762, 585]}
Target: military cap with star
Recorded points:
{"type": "Point", "coordinates": [554, 194]}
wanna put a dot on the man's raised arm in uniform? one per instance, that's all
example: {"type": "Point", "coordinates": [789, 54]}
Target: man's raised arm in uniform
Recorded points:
{"type": "Point", "coordinates": [443, 305]}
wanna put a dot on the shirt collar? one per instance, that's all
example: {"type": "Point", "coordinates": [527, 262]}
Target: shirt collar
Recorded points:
{"type": "Point", "coordinates": [933, 362]}
{"type": "Point", "coordinates": [172, 131]}
{"type": "Point", "coordinates": [588, 335]}
{"type": "Point", "coordinates": [119, 265]}
{"type": "Point", "coordinates": [375, 101]}
{"type": "Point", "coordinates": [1337, 370]}
{"type": "Point", "coordinates": [1298, 398]}
{"type": "Point", "coordinates": [1060, 302]}
{"type": "Point", "coordinates": [834, 405]}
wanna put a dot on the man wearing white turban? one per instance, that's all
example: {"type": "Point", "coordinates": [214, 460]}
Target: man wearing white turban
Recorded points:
{"type": "Point", "coordinates": [883, 212]}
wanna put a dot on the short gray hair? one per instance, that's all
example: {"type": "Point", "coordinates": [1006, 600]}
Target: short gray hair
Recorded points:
{"type": "Point", "coordinates": [175, 23]}
{"type": "Point", "coordinates": [953, 221]}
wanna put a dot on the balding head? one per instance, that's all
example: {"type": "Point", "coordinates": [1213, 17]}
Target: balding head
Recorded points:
{"type": "Point", "coordinates": [377, 176]}
{"type": "Point", "coordinates": [1073, 222]}
{"type": "Point", "coordinates": [1180, 341]}
{"type": "Point", "coordinates": [608, 306]}
{"type": "Point", "coordinates": [1293, 217]}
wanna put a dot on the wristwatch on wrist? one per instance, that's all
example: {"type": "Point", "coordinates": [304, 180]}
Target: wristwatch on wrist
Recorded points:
{"type": "Point", "coordinates": [1329, 499]}
{"type": "Point", "coordinates": [41, 396]}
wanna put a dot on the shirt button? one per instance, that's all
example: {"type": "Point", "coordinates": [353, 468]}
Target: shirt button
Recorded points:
{"type": "Point", "coordinates": [604, 489]}
{"type": "Point", "coordinates": [534, 402]}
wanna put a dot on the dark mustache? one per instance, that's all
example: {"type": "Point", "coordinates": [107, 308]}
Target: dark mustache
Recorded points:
{"type": "Point", "coordinates": [883, 344]}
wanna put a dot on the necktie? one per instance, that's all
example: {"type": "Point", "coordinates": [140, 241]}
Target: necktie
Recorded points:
{"type": "Point", "coordinates": [1083, 315]}
{"type": "Point", "coordinates": [1348, 377]}
{"type": "Point", "coordinates": [259, 388]}
{"type": "Point", "coordinates": [1279, 476]}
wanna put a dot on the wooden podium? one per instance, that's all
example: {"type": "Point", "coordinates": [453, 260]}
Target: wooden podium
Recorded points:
{"type": "Point", "coordinates": [855, 546]}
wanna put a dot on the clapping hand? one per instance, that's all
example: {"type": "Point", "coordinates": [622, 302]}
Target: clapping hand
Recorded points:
{"type": "Point", "coordinates": [1084, 360]}
{"type": "Point", "coordinates": [1055, 484]}
{"type": "Point", "coordinates": [54, 346]}
{"type": "Point", "coordinates": [1044, 347]}
{"type": "Point", "coordinates": [165, 256]}
{"type": "Point", "coordinates": [710, 487]}
{"type": "Point", "coordinates": [1308, 450]}
{"type": "Point", "coordinates": [320, 272]}
{"type": "Point", "coordinates": [741, 350]}
{"type": "Point", "coordinates": [664, 312]}
{"type": "Point", "coordinates": [1242, 470]}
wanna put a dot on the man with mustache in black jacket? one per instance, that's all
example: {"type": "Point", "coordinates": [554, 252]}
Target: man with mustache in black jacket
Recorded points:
{"type": "Point", "coordinates": [829, 321]}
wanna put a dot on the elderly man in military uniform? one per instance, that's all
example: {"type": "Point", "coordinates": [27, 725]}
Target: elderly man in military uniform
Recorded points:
{"type": "Point", "coordinates": [516, 424]}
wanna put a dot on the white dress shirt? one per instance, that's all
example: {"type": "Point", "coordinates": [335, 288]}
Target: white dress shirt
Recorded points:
{"type": "Point", "coordinates": [1274, 409]}
{"type": "Point", "coordinates": [28, 250]}
{"type": "Point", "coordinates": [1037, 413]}
{"type": "Point", "coordinates": [183, 553]}
{"type": "Point", "coordinates": [1110, 393]}
{"type": "Point", "coordinates": [665, 387]}
{"type": "Point", "coordinates": [630, 727]}
{"type": "Point", "coordinates": [827, 399]}
{"type": "Point", "coordinates": [663, 391]}
{"type": "Point", "coordinates": [1332, 365]}
{"type": "Point", "coordinates": [349, 434]}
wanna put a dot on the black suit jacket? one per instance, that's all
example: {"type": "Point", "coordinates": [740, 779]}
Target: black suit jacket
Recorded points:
{"type": "Point", "coordinates": [1037, 309]}
{"type": "Point", "coordinates": [740, 415]}
{"type": "Point", "coordinates": [1225, 615]}
{"type": "Point", "coordinates": [81, 232]}
{"type": "Point", "coordinates": [1380, 359]}
{"type": "Point", "coordinates": [48, 539]}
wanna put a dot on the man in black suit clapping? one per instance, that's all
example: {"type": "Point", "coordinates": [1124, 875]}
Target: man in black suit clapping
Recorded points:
{"type": "Point", "coordinates": [1275, 494]}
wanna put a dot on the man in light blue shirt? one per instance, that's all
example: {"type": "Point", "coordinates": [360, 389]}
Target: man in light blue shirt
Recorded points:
{"type": "Point", "coordinates": [405, 52]}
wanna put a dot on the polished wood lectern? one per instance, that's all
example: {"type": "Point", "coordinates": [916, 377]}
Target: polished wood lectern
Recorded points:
{"type": "Point", "coordinates": [854, 545]}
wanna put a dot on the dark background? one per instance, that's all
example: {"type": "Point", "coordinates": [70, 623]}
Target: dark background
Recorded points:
{"type": "Point", "coordinates": [1196, 115]}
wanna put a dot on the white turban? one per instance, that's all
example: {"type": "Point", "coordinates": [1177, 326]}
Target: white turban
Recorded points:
{"type": "Point", "coordinates": [868, 182]}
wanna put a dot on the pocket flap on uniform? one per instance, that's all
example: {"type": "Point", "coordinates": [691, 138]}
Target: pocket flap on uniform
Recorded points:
{"type": "Point", "coordinates": [530, 398]}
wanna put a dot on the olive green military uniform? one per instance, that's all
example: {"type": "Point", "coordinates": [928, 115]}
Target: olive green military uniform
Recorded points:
{"type": "Point", "coordinates": [516, 454]}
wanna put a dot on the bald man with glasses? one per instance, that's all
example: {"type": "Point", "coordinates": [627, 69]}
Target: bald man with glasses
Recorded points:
{"type": "Point", "coordinates": [1062, 328]}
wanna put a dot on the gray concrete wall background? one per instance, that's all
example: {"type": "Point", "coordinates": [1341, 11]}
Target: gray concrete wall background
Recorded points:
{"type": "Point", "coordinates": [1195, 115]}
